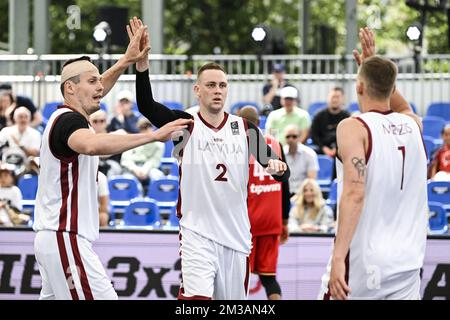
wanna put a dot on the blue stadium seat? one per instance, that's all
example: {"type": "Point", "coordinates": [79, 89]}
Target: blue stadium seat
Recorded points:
{"type": "Point", "coordinates": [325, 173]}
{"type": "Point", "coordinates": [236, 106]}
{"type": "Point", "coordinates": [168, 147]}
{"type": "Point", "coordinates": [169, 166]}
{"type": "Point", "coordinates": [439, 191]}
{"type": "Point", "coordinates": [49, 108]}
{"type": "Point", "coordinates": [173, 105]}
{"type": "Point", "coordinates": [121, 190]}
{"type": "Point", "coordinates": [142, 212]}
{"type": "Point", "coordinates": [164, 191]}
{"type": "Point", "coordinates": [332, 196]}
{"type": "Point", "coordinates": [353, 107]}
{"type": "Point", "coordinates": [262, 122]}
{"type": "Point", "coordinates": [103, 107]}
{"type": "Point", "coordinates": [430, 146]}
{"type": "Point", "coordinates": [437, 219]}
{"type": "Point", "coordinates": [432, 126]}
{"type": "Point", "coordinates": [316, 107]}
{"type": "Point", "coordinates": [439, 109]}
{"type": "Point", "coordinates": [173, 222]}
{"type": "Point", "coordinates": [28, 185]}
{"type": "Point", "coordinates": [413, 107]}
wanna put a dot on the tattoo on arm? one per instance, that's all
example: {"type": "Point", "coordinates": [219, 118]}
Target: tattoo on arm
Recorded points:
{"type": "Point", "coordinates": [360, 166]}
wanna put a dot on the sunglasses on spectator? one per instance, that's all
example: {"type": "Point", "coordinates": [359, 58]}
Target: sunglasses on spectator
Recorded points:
{"type": "Point", "coordinates": [293, 136]}
{"type": "Point", "coordinates": [99, 120]}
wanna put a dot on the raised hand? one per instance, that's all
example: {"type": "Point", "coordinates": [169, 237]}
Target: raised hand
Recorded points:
{"type": "Point", "coordinates": [132, 29]}
{"type": "Point", "coordinates": [134, 51]}
{"type": "Point", "coordinates": [367, 41]}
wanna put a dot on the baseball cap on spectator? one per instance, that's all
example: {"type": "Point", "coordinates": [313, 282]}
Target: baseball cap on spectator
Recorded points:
{"type": "Point", "coordinates": [5, 86]}
{"type": "Point", "coordinates": [125, 95]}
{"type": "Point", "coordinates": [278, 67]}
{"type": "Point", "coordinates": [289, 92]}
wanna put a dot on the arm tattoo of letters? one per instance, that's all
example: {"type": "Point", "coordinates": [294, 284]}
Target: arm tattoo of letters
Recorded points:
{"type": "Point", "coordinates": [360, 166]}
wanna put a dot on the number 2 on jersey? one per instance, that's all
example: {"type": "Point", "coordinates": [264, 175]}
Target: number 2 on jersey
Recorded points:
{"type": "Point", "coordinates": [221, 176]}
{"type": "Point", "coordinates": [403, 151]}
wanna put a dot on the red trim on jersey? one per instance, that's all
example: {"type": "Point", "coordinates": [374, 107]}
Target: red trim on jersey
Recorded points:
{"type": "Point", "coordinates": [74, 199]}
{"type": "Point", "coordinates": [247, 276]}
{"type": "Point", "coordinates": [369, 146]}
{"type": "Point", "coordinates": [220, 126]}
{"type": "Point", "coordinates": [190, 129]}
{"type": "Point", "coordinates": [179, 214]}
{"type": "Point", "coordinates": [182, 297]}
{"type": "Point", "coordinates": [64, 159]}
{"type": "Point", "coordinates": [79, 263]}
{"type": "Point", "coordinates": [65, 265]}
{"type": "Point", "coordinates": [64, 180]}
{"type": "Point", "coordinates": [381, 112]}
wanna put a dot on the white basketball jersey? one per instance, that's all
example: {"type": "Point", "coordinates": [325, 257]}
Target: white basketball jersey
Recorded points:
{"type": "Point", "coordinates": [213, 182]}
{"type": "Point", "coordinates": [67, 192]}
{"type": "Point", "coordinates": [389, 241]}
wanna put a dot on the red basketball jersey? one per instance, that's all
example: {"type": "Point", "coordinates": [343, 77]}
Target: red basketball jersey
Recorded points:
{"type": "Point", "coordinates": [264, 197]}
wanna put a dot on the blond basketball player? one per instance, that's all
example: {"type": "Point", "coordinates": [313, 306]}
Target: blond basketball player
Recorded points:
{"type": "Point", "coordinates": [214, 166]}
{"type": "Point", "coordinates": [66, 215]}
{"type": "Point", "coordinates": [382, 191]}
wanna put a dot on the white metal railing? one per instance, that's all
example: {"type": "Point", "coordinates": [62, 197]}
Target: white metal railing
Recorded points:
{"type": "Point", "coordinates": [50, 64]}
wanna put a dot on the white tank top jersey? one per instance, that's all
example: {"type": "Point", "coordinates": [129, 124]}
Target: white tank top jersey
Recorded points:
{"type": "Point", "coordinates": [67, 192]}
{"type": "Point", "coordinates": [391, 234]}
{"type": "Point", "coordinates": [214, 166]}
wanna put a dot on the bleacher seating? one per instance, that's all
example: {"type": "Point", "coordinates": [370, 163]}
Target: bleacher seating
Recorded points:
{"type": "Point", "coordinates": [169, 166]}
{"type": "Point", "coordinates": [325, 173]}
{"type": "Point", "coordinates": [315, 107]}
{"type": "Point", "coordinates": [439, 191]}
{"type": "Point", "coordinates": [28, 185]}
{"type": "Point", "coordinates": [432, 126]}
{"type": "Point", "coordinates": [164, 191]}
{"type": "Point", "coordinates": [437, 220]}
{"type": "Point", "coordinates": [439, 109]}
{"type": "Point", "coordinates": [142, 212]}
{"type": "Point", "coordinates": [122, 189]}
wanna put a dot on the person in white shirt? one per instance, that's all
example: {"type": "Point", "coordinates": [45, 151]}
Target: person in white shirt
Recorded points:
{"type": "Point", "coordinates": [301, 159]}
{"type": "Point", "coordinates": [10, 198]}
{"type": "Point", "coordinates": [22, 141]}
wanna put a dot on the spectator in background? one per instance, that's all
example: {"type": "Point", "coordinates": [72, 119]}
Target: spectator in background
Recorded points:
{"type": "Point", "coordinates": [144, 161]}
{"type": "Point", "coordinates": [440, 162]}
{"type": "Point", "coordinates": [103, 199]}
{"type": "Point", "coordinates": [10, 199]}
{"type": "Point", "coordinates": [6, 101]}
{"type": "Point", "coordinates": [109, 164]}
{"type": "Point", "coordinates": [125, 118]}
{"type": "Point", "coordinates": [325, 122]}
{"type": "Point", "coordinates": [310, 213]}
{"type": "Point", "coordinates": [21, 101]}
{"type": "Point", "coordinates": [278, 120]}
{"type": "Point", "coordinates": [271, 91]}
{"type": "Point", "coordinates": [21, 141]}
{"type": "Point", "coordinates": [302, 160]}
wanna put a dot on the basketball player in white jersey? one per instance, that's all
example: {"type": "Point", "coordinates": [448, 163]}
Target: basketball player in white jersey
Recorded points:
{"type": "Point", "coordinates": [382, 191]}
{"type": "Point", "coordinates": [66, 214]}
{"type": "Point", "coordinates": [214, 164]}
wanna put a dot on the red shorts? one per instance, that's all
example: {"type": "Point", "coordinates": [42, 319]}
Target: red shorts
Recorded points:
{"type": "Point", "coordinates": [264, 255]}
